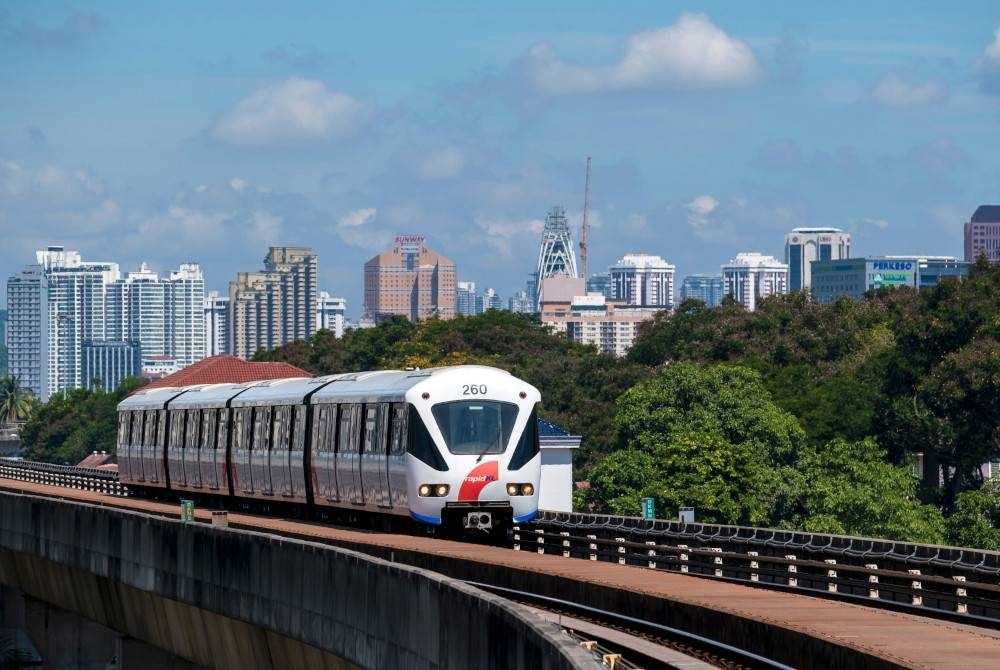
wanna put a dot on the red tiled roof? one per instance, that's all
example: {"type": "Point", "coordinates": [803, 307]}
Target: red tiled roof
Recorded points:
{"type": "Point", "coordinates": [227, 369]}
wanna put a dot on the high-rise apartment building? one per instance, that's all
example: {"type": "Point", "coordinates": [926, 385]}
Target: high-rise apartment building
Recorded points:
{"type": "Point", "coordinates": [522, 302]}
{"type": "Point", "coordinates": [216, 315]}
{"type": "Point", "coordinates": [107, 364]}
{"type": "Point", "coordinates": [488, 300]}
{"type": "Point", "coordinates": [330, 314]}
{"type": "Point", "coordinates": [276, 305]}
{"type": "Point", "coordinates": [805, 245]}
{"type": "Point", "coordinates": [752, 276]}
{"type": "Point", "coordinates": [466, 298]}
{"type": "Point", "coordinates": [707, 288]}
{"type": "Point", "coordinates": [982, 234]}
{"type": "Point", "coordinates": [27, 329]}
{"type": "Point", "coordinates": [164, 314]}
{"type": "Point", "coordinates": [410, 280]}
{"type": "Point", "coordinates": [643, 280]}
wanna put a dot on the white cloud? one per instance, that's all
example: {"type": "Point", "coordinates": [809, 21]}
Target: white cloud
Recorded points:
{"type": "Point", "coordinates": [501, 234]}
{"type": "Point", "coordinates": [296, 111]}
{"type": "Point", "coordinates": [895, 91]}
{"type": "Point", "coordinates": [702, 206]}
{"type": "Point", "coordinates": [691, 54]}
{"type": "Point", "coordinates": [235, 183]}
{"type": "Point", "coordinates": [988, 66]}
{"type": "Point", "coordinates": [444, 164]}
{"type": "Point", "coordinates": [881, 224]}
{"type": "Point", "coordinates": [358, 217]}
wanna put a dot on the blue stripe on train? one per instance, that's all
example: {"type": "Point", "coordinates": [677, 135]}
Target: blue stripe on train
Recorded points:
{"type": "Point", "coordinates": [433, 520]}
{"type": "Point", "coordinates": [526, 517]}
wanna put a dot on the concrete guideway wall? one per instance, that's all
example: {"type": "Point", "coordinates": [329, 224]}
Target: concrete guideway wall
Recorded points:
{"type": "Point", "coordinates": [236, 599]}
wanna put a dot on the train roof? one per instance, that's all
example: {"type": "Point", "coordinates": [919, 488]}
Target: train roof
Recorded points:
{"type": "Point", "coordinates": [150, 398]}
{"type": "Point", "coordinates": [209, 395]}
{"type": "Point", "coordinates": [387, 385]}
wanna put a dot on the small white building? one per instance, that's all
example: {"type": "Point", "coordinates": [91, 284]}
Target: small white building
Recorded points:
{"type": "Point", "coordinates": [555, 489]}
{"type": "Point", "coordinates": [752, 276]}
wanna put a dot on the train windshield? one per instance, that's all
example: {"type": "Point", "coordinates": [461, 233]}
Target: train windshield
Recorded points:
{"type": "Point", "coordinates": [476, 427]}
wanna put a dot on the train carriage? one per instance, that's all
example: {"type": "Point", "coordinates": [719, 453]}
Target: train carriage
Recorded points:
{"type": "Point", "coordinates": [454, 447]}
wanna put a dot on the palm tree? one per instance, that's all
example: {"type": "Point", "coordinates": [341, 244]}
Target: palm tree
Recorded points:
{"type": "Point", "coordinates": [15, 401]}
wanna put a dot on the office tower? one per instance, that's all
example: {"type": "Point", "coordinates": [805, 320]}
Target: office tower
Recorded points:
{"type": "Point", "coordinates": [488, 300]}
{"type": "Point", "coordinates": [982, 234]}
{"type": "Point", "coordinates": [522, 302]}
{"type": "Point", "coordinates": [216, 315]}
{"type": "Point", "coordinates": [804, 245]}
{"type": "Point", "coordinates": [600, 283]}
{"type": "Point", "coordinates": [854, 276]}
{"type": "Point", "coordinates": [27, 329]}
{"type": "Point", "coordinates": [556, 257]}
{"type": "Point", "coordinates": [77, 311]}
{"type": "Point", "coordinates": [273, 306]}
{"type": "Point", "coordinates": [752, 276]}
{"type": "Point", "coordinates": [643, 280]}
{"type": "Point", "coordinates": [108, 364]}
{"type": "Point", "coordinates": [707, 288]}
{"type": "Point", "coordinates": [410, 280]}
{"type": "Point", "coordinates": [330, 314]}
{"type": "Point", "coordinates": [466, 298]}
{"type": "Point", "coordinates": [3, 342]}
{"type": "Point", "coordinates": [165, 315]}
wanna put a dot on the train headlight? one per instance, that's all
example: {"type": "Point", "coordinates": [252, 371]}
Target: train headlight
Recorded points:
{"type": "Point", "coordinates": [512, 489]}
{"type": "Point", "coordinates": [441, 490]}
{"type": "Point", "coordinates": [424, 490]}
{"type": "Point", "coordinates": [527, 489]}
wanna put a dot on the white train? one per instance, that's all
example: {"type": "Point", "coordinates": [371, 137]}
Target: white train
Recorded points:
{"type": "Point", "coordinates": [453, 447]}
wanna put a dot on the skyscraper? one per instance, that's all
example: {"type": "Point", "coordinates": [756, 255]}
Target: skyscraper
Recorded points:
{"type": "Point", "coordinates": [273, 306]}
{"type": "Point", "coordinates": [107, 364]}
{"type": "Point", "coordinates": [466, 298]}
{"type": "Point", "coordinates": [752, 276]}
{"type": "Point", "coordinates": [27, 329]}
{"type": "Point", "coordinates": [216, 315]}
{"type": "Point", "coordinates": [330, 314]}
{"type": "Point", "coordinates": [488, 300]}
{"type": "Point", "coordinates": [804, 245]}
{"type": "Point", "coordinates": [707, 288]}
{"type": "Point", "coordinates": [556, 257]}
{"type": "Point", "coordinates": [643, 280]}
{"type": "Point", "coordinates": [410, 280]}
{"type": "Point", "coordinates": [982, 234]}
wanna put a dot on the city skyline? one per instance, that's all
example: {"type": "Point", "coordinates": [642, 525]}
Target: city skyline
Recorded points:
{"type": "Point", "coordinates": [338, 131]}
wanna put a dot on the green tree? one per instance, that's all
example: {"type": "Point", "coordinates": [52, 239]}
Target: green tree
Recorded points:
{"type": "Point", "coordinates": [850, 488]}
{"type": "Point", "coordinates": [975, 521]}
{"type": "Point", "coordinates": [16, 402]}
{"type": "Point", "coordinates": [708, 437]}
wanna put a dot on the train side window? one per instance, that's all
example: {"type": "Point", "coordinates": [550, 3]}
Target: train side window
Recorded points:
{"type": "Point", "coordinates": [350, 426]}
{"type": "Point", "coordinates": [371, 441]}
{"type": "Point", "coordinates": [421, 445]}
{"type": "Point", "coordinates": [208, 422]}
{"type": "Point", "coordinates": [193, 429]}
{"type": "Point", "coordinates": [299, 429]}
{"type": "Point", "coordinates": [123, 426]}
{"type": "Point", "coordinates": [150, 428]}
{"type": "Point", "coordinates": [527, 446]}
{"type": "Point", "coordinates": [241, 428]}
{"type": "Point", "coordinates": [261, 428]}
{"type": "Point", "coordinates": [161, 428]}
{"type": "Point", "coordinates": [222, 434]}
{"type": "Point", "coordinates": [137, 427]}
{"type": "Point", "coordinates": [281, 417]}
{"type": "Point", "coordinates": [397, 443]}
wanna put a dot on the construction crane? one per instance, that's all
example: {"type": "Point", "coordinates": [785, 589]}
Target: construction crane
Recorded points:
{"type": "Point", "coordinates": [583, 236]}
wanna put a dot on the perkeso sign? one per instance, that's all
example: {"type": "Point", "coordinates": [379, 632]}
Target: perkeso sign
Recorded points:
{"type": "Point", "coordinates": [891, 273]}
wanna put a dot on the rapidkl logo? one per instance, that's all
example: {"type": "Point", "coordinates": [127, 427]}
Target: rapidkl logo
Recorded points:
{"type": "Point", "coordinates": [476, 481]}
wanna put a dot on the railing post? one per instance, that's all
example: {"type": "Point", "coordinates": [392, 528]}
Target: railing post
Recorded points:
{"type": "Point", "coordinates": [831, 585]}
{"type": "Point", "coordinates": [683, 557]}
{"type": "Point", "coordinates": [517, 538]}
{"type": "Point", "coordinates": [872, 581]}
{"type": "Point", "coordinates": [592, 547]}
{"type": "Point", "coordinates": [961, 607]}
{"type": "Point", "coordinates": [565, 543]}
{"type": "Point", "coordinates": [917, 588]}
{"type": "Point", "coordinates": [793, 570]}
{"type": "Point", "coordinates": [651, 553]}
{"type": "Point", "coordinates": [540, 542]}
{"type": "Point", "coordinates": [717, 561]}
{"type": "Point", "coordinates": [621, 550]}
{"type": "Point", "coordinates": [754, 566]}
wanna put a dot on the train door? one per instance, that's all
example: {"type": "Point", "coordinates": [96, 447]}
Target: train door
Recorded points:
{"type": "Point", "coordinates": [396, 463]}
{"type": "Point", "coordinates": [374, 475]}
{"type": "Point", "coordinates": [349, 453]}
{"type": "Point", "coordinates": [296, 454]}
{"type": "Point", "coordinates": [324, 447]}
{"type": "Point", "coordinates": [260, 451]}
{"type": "Point", "coordinates": [192, 449]}
{"type": "Point", "coordinates": [280, 442]}
{"type": "Point", "coordinates": [206, 455]}
{"type": "Point", "coordinates": [134, 448]}
{"type": "Point", "coordinates": [242, 439]}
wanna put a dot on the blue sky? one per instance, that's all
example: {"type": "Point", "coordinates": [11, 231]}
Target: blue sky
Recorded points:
{"type": "Point", "coordinates": [209, 131]}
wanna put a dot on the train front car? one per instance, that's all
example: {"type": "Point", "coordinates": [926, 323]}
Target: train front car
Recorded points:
{"type": "Point", "coordinates": [473, 462]}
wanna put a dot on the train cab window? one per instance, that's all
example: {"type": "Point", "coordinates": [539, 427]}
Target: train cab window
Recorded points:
{"type": "Point", "coordinates": [282, 421]}
{"type": "Point", "coordinates": [397, 443]}
{"type": "Point", "coordinates": [527, 445]}
{"type": "Point", "coordinates": [421, 445]}
{"type": "Point", "coordinates": [477, 427]}
{"type": "Point", "coordinates": [208, 422]}
{"type": "Point", "coordinates": [193, 431]}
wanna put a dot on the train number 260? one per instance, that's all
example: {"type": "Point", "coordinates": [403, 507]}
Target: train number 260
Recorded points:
{"type": "Point", "coordinates": [473, 389]}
